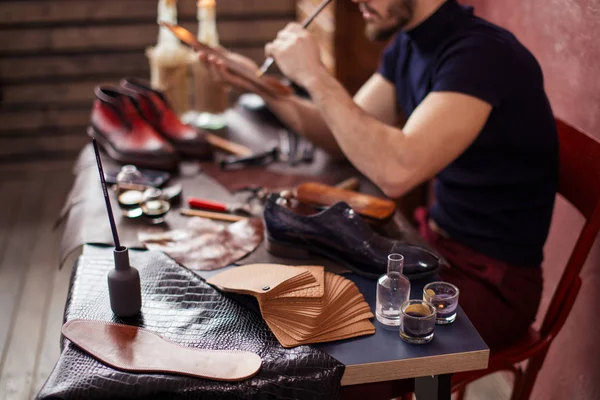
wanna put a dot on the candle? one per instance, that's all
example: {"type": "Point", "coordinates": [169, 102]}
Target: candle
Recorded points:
{"type": "Point", "coordinates": [444, 297]}
{"type": "Point", "coordinates": [167, 11]}
{"type": "Point", "coordinates": [210, 97]}
{"type": "Point", "coordinates": [169, 60]}
{"type": "Point", "coordinates": [207, 24]}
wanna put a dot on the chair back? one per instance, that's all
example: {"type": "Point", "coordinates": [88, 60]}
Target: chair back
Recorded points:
{"type": "Point", "coordinates": [579, 184]}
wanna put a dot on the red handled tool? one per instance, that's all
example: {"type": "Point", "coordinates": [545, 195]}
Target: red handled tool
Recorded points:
{"type": "Point", "coordinates": [209, 205]}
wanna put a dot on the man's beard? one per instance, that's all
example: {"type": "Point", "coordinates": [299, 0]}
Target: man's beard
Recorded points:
{"type": "Point", "coordinates": [400, 13]}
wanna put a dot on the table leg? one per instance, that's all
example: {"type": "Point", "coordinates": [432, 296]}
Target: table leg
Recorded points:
{"type": "Point", "coordinates": [435, 387]}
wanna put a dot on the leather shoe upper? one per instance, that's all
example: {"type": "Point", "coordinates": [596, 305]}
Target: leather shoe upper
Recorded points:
{"type": "Point", "coordinates": [125, 134]}
{"type": "Point", "coordinates": [341, 234]}
{"type": "Point", "coordinates": [155, 109]}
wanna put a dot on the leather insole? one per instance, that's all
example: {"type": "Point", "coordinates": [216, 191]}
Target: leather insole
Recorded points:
{"type": "Point", "coordinates": [134, 349]}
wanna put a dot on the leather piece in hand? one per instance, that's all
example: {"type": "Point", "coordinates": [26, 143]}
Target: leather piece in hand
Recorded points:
{"type": "Point", "coordinates": [133, 349]}
{"type": "Point", "coordinates": [181, 307]}
{"type": "Point", "coordinates": [207, 245]}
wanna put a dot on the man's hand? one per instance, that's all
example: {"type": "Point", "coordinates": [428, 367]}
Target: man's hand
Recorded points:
{"type": "Point", "coordinates": [220, 73]}
{"type": "Point", "coordinates": [297, 54]}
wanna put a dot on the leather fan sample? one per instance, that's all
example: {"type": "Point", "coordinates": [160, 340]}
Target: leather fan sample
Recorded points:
{"type": "Point", "coordinates": [134, 349]}
{"type": "Point", "coordinates": [207, 245]}
{"type": "Point", "coordinates": [301, 305]}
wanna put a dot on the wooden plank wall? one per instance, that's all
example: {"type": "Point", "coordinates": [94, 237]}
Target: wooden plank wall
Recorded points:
{"type": "Point", "coordinates": [53, 53]}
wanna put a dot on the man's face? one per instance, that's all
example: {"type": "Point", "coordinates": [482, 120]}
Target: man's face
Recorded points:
{"type": "Point", "coordinates": [385, 17]}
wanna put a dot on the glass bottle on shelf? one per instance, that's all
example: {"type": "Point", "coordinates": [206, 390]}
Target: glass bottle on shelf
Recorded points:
{"type": "Point", "coordinates": [393, 289]}
{"type": "Point", "coordinates": [129, 196]}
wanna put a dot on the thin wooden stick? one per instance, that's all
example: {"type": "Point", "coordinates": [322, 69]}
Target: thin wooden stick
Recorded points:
{"type": "Point", "coordinates": [349, 184]}
{"type": "Point", "coordinates": [211, 215]}
{"type": "Point", "coordinates": [227, 145]}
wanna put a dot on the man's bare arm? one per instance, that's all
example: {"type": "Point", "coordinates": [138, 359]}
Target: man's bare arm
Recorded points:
{"type": "Point", "coordinates": [438, 131]}
{"type": "Point", "coordinates": [376, 98]}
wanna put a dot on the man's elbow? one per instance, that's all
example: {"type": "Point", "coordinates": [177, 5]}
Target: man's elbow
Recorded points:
{"type": "Point", "coordinates": [395, 182]}
{"type": "Point", "coordinates": [393, 188]}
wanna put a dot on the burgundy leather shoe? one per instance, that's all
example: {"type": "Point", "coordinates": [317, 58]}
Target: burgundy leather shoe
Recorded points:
{"type": "Point", "coordinates": [188, 140]}
{"type": "Point", "coordinates": [125, 135]}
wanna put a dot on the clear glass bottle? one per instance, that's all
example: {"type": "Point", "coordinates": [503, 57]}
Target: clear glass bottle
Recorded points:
{"type": "Point", "coordinates": [393, 289]}
{"type": "Point", "coordinates": [128, 196]}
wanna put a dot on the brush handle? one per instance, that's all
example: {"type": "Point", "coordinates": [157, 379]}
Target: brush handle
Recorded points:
{"type": "Point", "coordinates": [111, 218]}
{"type": "Point", "coordinates": [211, 215]}
{"type": "Point", "coordinates": [269, 61]}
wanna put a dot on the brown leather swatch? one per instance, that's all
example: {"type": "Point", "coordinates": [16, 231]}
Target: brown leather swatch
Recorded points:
{"type": "Point", "coordinates": [260, 279]}
{"type": "Point", "coordinates": [134, 349]}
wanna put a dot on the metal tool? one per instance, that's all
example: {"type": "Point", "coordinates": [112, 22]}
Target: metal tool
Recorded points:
{"type": "Point", "coordinates": [209, 205]}
{"type": "Point", "coordinates": [269, 61]}
{"type": "Point", "coordinates": [306, 151]}
{"type": "Point", "coordinates": [294, 143]}
{"type": "Point", "coordinates": [285, 146]}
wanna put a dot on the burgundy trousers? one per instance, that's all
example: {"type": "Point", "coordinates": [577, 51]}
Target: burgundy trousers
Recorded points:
{"type": "Point", "coordinates": [500, 299]}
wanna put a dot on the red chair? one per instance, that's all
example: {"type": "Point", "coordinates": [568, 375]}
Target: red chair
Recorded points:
{"type": "Point", "coordinates": [580, 185]}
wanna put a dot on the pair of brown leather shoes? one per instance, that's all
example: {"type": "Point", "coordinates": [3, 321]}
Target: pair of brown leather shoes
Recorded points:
{"type": "Point", "coordinates": [135, 125]}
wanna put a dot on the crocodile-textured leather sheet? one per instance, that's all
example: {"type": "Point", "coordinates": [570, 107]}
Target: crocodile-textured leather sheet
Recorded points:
{"type": "Point", "coordinates": [181, 307]}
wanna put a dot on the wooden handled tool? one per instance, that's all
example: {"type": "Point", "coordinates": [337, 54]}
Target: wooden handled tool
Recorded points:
{"type": "Point", "coordinates": [227, 145]}
{"type": "Point", "coordinates": [364, 204]}
{"type": "Point", "coordinates": [211, 215]}
{"type": "Point", "coordinates": [349, 184]}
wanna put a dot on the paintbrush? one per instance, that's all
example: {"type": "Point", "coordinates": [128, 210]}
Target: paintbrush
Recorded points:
{"type": "Point", "coordinates": [111, 217]}
{"type": "Point", "coordinates": [124, 289]}
{"type": "Point", "coordinates": [269, 61]}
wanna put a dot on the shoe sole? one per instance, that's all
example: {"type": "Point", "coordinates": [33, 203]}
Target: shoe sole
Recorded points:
{"type": "Point", "coordinates": [301, 252]}
{"type": "Point", "coordinates": [146, 162]}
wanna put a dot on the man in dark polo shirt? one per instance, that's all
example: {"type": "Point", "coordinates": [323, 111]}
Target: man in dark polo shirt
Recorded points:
{"type": "Point", "coordinates": [478, 120]}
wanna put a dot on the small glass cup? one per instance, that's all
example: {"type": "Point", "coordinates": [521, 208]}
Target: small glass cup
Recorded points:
{"type": "Point", "coordinates": [417, 321]}
{"type": "Point", "coordinates": [154, 205]}
{"type": "Point", "coordinates": [444, 297]}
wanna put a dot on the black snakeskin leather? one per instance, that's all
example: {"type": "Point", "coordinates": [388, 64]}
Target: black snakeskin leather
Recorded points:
{"type": "Point", "coordinates": [181, 307]}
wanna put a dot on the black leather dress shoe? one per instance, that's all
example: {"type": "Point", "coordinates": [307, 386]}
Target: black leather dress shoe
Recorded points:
{"type": "Point", "coordinates": [340, 234]}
